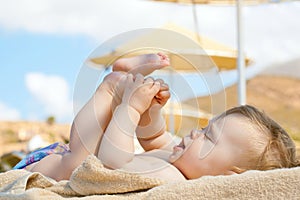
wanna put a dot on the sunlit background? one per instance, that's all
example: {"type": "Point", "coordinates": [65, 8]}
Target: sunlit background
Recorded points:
{"type": "Point", "coordinates": [44, 43]}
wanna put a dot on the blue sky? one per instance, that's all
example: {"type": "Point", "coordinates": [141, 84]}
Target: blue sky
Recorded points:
{"type": "Point", "coordinates": [44, 43]}
{"type": "Point", "coordinates": [24, 53]}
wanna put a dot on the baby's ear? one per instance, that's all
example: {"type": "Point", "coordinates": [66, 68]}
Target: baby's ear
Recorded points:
{"type": "Point", "coordinates": [234, 170]}
{"type": "Point", "coordinates": [230, 172]}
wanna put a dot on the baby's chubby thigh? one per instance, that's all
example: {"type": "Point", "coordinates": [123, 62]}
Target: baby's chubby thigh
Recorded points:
{"type": "Point", "coordinates": [53, 166]}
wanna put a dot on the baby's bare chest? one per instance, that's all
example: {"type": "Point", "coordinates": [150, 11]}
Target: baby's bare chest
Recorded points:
{"type": "Point", "coordinates": [153, 166]}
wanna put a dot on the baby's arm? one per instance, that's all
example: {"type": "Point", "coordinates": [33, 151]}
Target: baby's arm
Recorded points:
{"type": "Point", "coordinates": [151, 131]}
{"type": "Point", "coordinates": [117, 147]}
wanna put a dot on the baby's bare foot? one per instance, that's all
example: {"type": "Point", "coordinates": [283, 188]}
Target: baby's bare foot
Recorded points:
{"type": "Point", "coordinates": [143, 64]}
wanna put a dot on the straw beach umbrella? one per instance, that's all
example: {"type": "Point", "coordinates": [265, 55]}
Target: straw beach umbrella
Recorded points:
{"type": "Point", "coordinates": [223, 57]}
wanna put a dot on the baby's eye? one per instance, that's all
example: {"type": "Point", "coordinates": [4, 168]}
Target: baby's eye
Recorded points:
{"type": "Point", "coordinates": [205, 134]}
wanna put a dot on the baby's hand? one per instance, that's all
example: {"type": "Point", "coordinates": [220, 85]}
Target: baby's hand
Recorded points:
{"type": "Point", "coordinates": [139, 92]}
{"type": "Point", "coordinates": [163, 94]}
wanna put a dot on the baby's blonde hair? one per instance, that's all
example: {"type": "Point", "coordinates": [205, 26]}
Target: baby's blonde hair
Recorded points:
{"type": "Point", "coordinates": [280, 150]}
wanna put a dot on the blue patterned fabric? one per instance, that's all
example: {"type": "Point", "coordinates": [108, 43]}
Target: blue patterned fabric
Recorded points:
{"type": "Point", "coordinates": [39, 154]}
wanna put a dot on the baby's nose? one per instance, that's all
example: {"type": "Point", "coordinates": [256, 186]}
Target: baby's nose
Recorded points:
{"type": "Point", "coordinates": [195, 133]}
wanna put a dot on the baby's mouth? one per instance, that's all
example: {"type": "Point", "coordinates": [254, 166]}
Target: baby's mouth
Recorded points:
{"type": "Point", "coordinates": [180, 146]}
{"type": "Point", "coordinates": [177, 152]}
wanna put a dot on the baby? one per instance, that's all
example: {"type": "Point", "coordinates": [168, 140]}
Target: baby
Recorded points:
{"type": "Point", "coordinates": [125, 103]}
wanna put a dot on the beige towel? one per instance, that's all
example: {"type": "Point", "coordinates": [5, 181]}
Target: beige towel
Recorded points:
{"type": "Point", "coordinates": [92, 181]}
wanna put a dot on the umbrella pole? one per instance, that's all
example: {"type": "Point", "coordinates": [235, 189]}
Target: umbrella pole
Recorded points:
{"type": "Point", "coordinates": [196, 21]}
{"type": "Point", "coordinates": [172, 117]}
{"type": "Point", "coordinates": [240, 57]}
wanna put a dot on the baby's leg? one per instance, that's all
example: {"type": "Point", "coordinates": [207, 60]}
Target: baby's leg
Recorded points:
{"type": "Point", "coordinates": [143, 64]}
{"type": "Point", "coordinates": [90, 123]}
{"type": "Point", "coordinates": [86, 132]}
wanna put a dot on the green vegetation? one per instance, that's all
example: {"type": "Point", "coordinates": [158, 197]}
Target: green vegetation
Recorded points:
{"type": "Point", "coordinates": [50, 120]}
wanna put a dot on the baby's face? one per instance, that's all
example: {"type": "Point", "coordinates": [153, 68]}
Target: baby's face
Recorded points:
{"type": "Point", "coordinates": [215, 149]}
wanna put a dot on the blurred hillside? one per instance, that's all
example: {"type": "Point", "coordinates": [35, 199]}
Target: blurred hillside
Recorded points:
{"type": "Point", "coordinates": [15, 136]}
{"type": "Point", "coordinates": [288, 69]}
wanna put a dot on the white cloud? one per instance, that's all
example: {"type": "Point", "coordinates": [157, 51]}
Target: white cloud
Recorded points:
{"type": "Point", "coordinates": [8, 113]}
{"type": "Point", "coordinates": [94, 18]}
{"type": "Point", "coordinates": [271, 30]}
{"type": "Point", "coordinates": [52, 93]}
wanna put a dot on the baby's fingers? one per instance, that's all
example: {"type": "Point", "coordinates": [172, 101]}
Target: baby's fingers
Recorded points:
{"type": "Point", "coordinates": [139, 79]}
{"type": "Point", "coordinates": [155, 88]}
{"type": "Point", "coordinates": [163, 85]}
{"type": "Point", "coordinates": [149, 80]}
{"type": "Point", "coordinates": [163, 95]}
{"type": "Point", "coordinates": [129, 79]}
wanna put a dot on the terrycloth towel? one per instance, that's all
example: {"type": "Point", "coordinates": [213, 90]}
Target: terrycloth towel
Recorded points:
{"type": "Point", "coordinates": [92, 181]}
